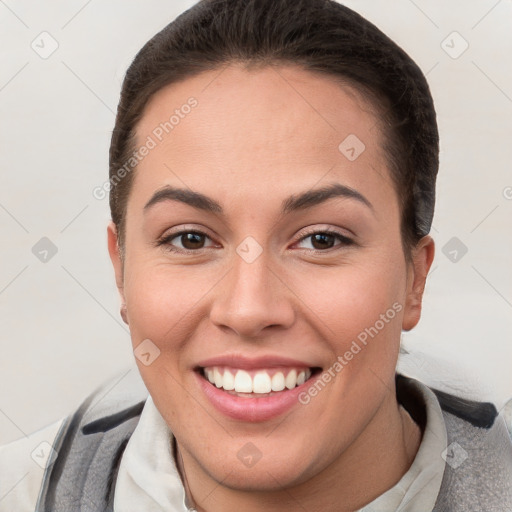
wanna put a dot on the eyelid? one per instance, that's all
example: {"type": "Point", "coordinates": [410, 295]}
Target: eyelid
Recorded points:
{"type": "Point", "coordinates": [323, 228]}
{"type": "Point", "coordinates": [187, 228]}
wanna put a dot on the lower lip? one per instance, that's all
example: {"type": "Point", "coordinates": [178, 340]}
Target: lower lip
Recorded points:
{"type": "Point", "coordinates": [251, 409]}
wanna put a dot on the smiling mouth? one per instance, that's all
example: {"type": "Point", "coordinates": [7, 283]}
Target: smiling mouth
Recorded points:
{"type": "Point", "coordinates": [256, 383]}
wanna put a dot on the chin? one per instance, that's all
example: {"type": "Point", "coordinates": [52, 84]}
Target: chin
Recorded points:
{"type": "Point", "coordinates": [248, 469]}
{"type": "Point", "coordinates": [263, 478]}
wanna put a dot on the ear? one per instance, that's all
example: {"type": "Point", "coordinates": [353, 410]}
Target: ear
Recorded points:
{"type": "Point", "coordinates": [422, 257]}
{"type": "Point", "coordinates": [117, 263]}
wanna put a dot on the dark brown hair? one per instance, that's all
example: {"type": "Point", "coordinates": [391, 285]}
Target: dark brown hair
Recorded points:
{"type": "Point", "coordinates": [321, 36]}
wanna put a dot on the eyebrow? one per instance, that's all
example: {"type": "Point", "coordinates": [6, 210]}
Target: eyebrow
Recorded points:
{"type": "Point", "coordinates": [295, 202]}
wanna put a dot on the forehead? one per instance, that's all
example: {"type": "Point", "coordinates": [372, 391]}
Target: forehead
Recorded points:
{"type": "Point", "coordinates": [249, 127]}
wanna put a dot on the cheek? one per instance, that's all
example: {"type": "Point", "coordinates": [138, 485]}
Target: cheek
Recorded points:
{"type": "Point", "coordinates": [164, 306]}
{"type": "Point", "coordinates": [352, 298]}
{"type": "Point", "coordinates": [359, 311]}
{"type": "Point", "coordinates": [163, 302]}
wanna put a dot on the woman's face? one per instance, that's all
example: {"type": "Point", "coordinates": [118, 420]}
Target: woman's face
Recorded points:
{"type": "Point", "coordinates": [296, 266]}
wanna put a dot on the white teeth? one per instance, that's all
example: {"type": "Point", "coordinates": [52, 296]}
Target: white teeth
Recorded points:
{"type": "Point", "coordinates": [229, 381]}
{"type": "Point", "coordinates": [278, 382]}
{"type": "Point", "coordinates": [241, 381]}
{"type": "Point", "coordinates": [217, 377]}
{"type": "Point", "coordinates": [291, 379]}
{"type": "Point", "coordinates": [262, 383]}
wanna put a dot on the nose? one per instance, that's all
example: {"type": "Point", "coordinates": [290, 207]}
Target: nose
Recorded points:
{"type": "Point", "coordinates": [252, 297]}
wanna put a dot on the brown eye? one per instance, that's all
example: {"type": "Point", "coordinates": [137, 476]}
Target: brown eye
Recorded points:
{"type": "Point", "coordinates": [322, 241]}
{"type": "Point", "coordinates": [192, 240]}
{"type": "Point", "coordinates": [185, 241]}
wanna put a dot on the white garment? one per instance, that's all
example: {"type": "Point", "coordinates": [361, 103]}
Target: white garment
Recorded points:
{"type": "Point", "coordinates": [149, 480]}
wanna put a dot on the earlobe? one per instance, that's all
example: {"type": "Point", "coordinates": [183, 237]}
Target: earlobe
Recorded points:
{"type": "Point", "coordinates": [117, 263]}
{"type": "Point", "coordinates": [422, 257]}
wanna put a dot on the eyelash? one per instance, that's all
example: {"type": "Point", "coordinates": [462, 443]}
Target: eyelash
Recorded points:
{"type": "Point", "coordinates": [166, 240]}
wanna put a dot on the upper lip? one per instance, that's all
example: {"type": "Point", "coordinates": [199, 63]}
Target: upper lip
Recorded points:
{"type": "Point", "coordinates": [253, 363]}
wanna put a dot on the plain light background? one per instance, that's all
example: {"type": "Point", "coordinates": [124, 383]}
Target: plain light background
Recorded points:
{"type": "Point", "coordinates": [60, 330]}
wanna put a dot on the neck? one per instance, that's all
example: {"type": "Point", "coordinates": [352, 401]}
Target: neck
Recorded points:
{"type": "Point", "coordinates": [374, 463]}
